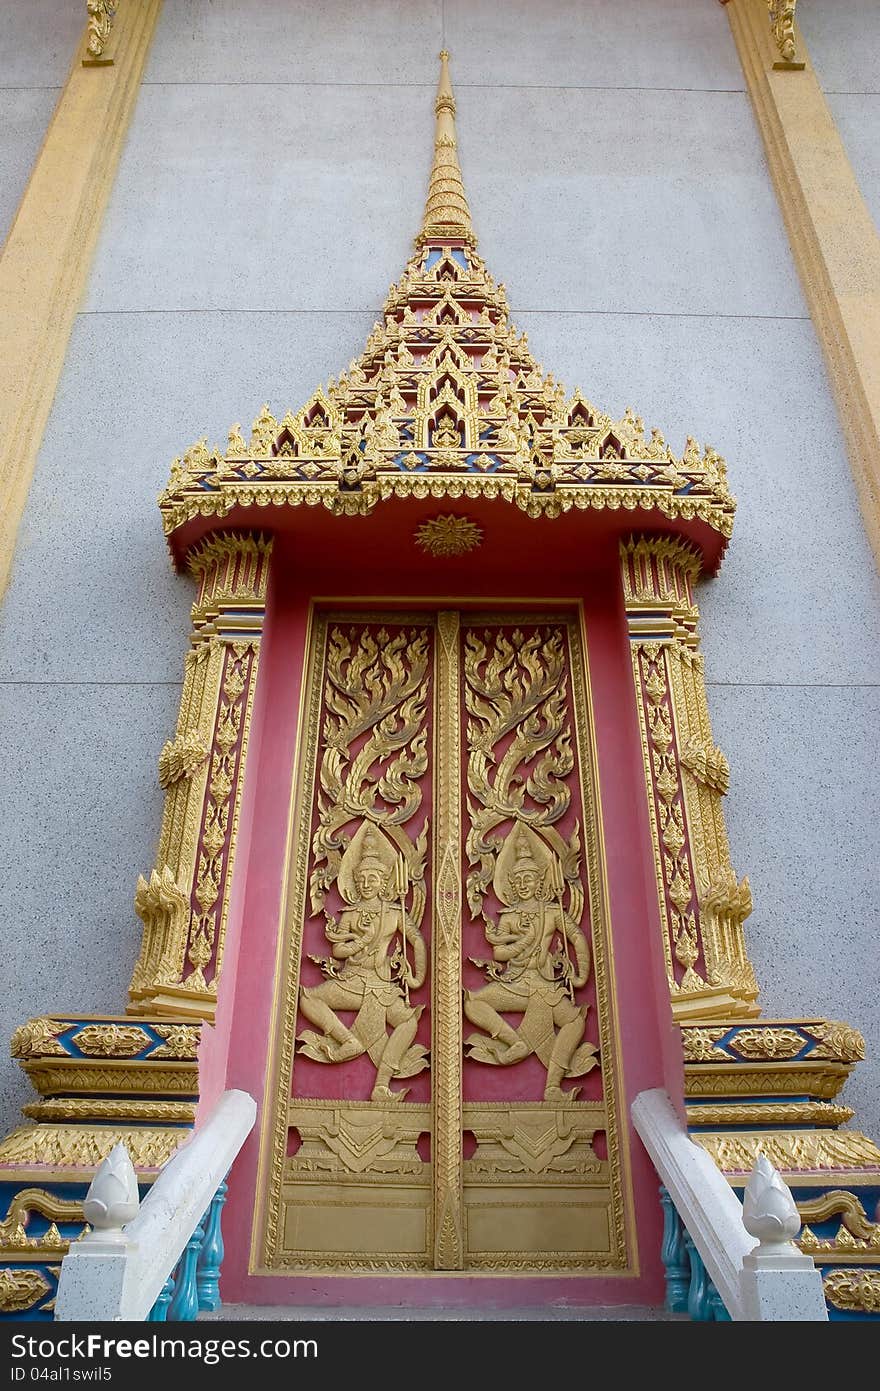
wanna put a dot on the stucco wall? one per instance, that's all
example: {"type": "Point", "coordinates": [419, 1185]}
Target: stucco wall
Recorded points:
{"type": "Point", "coordinates": [273, 178]}
{"type": "Point", "coordinates": [37, 44]}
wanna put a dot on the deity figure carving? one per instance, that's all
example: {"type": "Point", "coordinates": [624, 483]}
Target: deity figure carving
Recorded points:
{"type": "Point", "coordinates": [541, 958]}
{"type": "Point", "coordinates": [381, 433]}
{"type": "Point", "coordinates": [377, 956]}
{"type": "Point", "coordinates": [447, 432]}
{"type": "Point", "coordinates": [513, 434]}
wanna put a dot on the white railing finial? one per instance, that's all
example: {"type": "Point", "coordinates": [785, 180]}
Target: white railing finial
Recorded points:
{"type": "Point", "coordinates": [769, 1210]}
{"type": "Point", "coordinates": [112, 1199]}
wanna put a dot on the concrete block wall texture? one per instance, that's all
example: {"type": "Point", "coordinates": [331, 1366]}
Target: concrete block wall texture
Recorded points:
{"type": "Point", "coordinates": [273, 178]}
{"type": "Point", "coordinates": [37, 44]}
{"type": "Point", "coordinates": [844, 43]}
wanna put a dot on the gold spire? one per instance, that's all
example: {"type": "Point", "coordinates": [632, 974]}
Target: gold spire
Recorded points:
{"type": "Point", "coordinates": [447, 215]}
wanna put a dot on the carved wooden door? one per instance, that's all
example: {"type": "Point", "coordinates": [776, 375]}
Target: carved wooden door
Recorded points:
{"type": "Point", "coordinates": [445, 1050]}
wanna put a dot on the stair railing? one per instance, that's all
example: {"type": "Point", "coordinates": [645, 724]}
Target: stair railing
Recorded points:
{"type": "Point", "coordinates": [715, 1270]}
{"type": "Point", "coordinates": [159, 1259]}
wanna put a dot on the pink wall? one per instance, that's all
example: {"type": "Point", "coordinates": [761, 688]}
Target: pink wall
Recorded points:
{"type": "Point", "coordinates": [523, 558]}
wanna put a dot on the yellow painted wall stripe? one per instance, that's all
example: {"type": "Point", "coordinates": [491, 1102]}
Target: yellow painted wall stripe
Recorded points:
{"type": "Point", "coordinates": [833, 237]}
{"type": "Point", "coordinates": [48, 253]}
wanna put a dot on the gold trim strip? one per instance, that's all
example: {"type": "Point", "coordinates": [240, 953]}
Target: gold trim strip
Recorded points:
{"type": "Point", "coordinates": [833, 238]}
{"type": "Point", "coordinates": [48, 254]}
{"type": "Point", "coordinates": [446, 1026]}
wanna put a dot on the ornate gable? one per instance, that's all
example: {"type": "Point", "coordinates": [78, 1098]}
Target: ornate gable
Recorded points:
{"type": "Point", "coordinates": [446, 400]}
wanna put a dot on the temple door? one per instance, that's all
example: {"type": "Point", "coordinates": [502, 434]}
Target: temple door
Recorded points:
{"type": "Point", "coordinates": [445, 1090]}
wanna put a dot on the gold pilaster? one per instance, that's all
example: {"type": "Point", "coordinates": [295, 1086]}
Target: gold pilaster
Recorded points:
{"type": "Point", "coordinates": [447, 1023]}
{"type": "Point", "coordinates": [833, 237]}
{"type": "Point", "coordinates": [48, 254]}
{"type": "Point", "coordinates": [702, 903]}
{"type": "Point", "coordinates": [185, 902]}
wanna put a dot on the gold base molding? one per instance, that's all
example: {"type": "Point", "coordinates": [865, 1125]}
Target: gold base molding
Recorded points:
{"type": "Point", "coordinates": [833, 238]}
{"type": "Point", "coordinates": [102, 1079]}
{"type": "Point", "coordinates": [48, 254]}
{"type": "Point", "coordinates": [768, 1088]}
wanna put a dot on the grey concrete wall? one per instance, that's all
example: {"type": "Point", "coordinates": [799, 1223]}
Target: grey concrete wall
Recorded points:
{"type": "Point", "coordinates": [37, 43]}
{"type": "Point", "coordinates": [272, 180]}
{"type": "Point", "coordinates": [843, 37]}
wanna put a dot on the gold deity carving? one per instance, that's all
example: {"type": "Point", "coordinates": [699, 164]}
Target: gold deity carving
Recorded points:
{"type": "Point", "coordinates": [540, 958]}
{"type": "Point", "coordinates": [377, 956]}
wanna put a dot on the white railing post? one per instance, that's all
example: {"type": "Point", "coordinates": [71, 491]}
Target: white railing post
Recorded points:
{"type": "Point", "coordinates": [778, 1281]}
{"type": "Point", "coordinates": [119, 1272]}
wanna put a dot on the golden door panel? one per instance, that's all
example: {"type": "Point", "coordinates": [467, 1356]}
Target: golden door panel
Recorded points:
{"type": "Point", "coordinates": [542, 1182]}
{"type": "Point", "coordinates": [446, 1093]}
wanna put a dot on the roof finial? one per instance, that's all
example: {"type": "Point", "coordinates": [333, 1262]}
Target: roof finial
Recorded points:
{"type": "Point", "coordinates": [447, 215]}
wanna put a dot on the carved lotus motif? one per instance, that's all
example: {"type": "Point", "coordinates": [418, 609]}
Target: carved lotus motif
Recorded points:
{"type": "Point", "coordinates": [767, 1043]}
{"type": "Point", "coordinates": [112, 1199]}
{"type": "Point", "coordinates": [449, 536]}
{"type": "Point", "coordinates": [769, 1210]}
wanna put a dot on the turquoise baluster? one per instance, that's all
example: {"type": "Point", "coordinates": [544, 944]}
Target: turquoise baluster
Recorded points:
{"type": "Point", "coordinates": [159, 1311]}
{"type": "Point", "coordinates": [211, 1255]}
{"type": "Point", "coordinates": [184, 1304]}
{"type": "Point", "coordinates": [698, 1294]}
{"type": "Point", "coordinates": [674, 1256]}
{"type": "Point", "coordinates": [717, 1305]}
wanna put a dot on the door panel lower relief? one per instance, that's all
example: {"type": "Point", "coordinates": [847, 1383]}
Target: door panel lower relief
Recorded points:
{"type": "Point", "coordinates": [446, 1049]}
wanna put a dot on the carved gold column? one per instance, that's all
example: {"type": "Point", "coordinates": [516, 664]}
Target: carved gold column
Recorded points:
{"type": "Point", "coordinates": [702, 904]}
{"type": "Point", "coordinates": [185, 901]}
{"type": "Point", "coordinates": [447, 1025]}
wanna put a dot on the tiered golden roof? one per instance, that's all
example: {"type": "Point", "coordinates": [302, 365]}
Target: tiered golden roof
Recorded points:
{"type": "Point", "coordinates": [447, 401]}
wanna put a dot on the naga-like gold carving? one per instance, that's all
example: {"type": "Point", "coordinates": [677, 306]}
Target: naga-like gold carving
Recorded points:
{"type": "Point", "coordinates": [184, 902]}
{"type": "Point", "coordinates": [377, 685]}
{"type": "Point", "coordinates": [782, 29]}
{"type": "Point", "coordinates": [101, 14]}
{"type": "Point", "coordinates": [797, 1151]}
{"type": "Point", "coordinates": [449, 535]}
{"type": "Point", "coordinates": [14, 1239]}
{"type": "Point", "coordinates": [840, 1042]}
{"type": "Point", "coordinates": [38, 1038]}
{"type": "Point", "coordinates": [855, 1291]}
{"type": "Point", "coordinates": [180, 757]}
{"type": "Point", "coordinates": [707, 763]}
{"type": "Point", "coordinates": [517, 685]}
{"type": "Point", "coordinates": [21, 1289]}
{"type": "Point", "coordinates": [857, 1236]}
